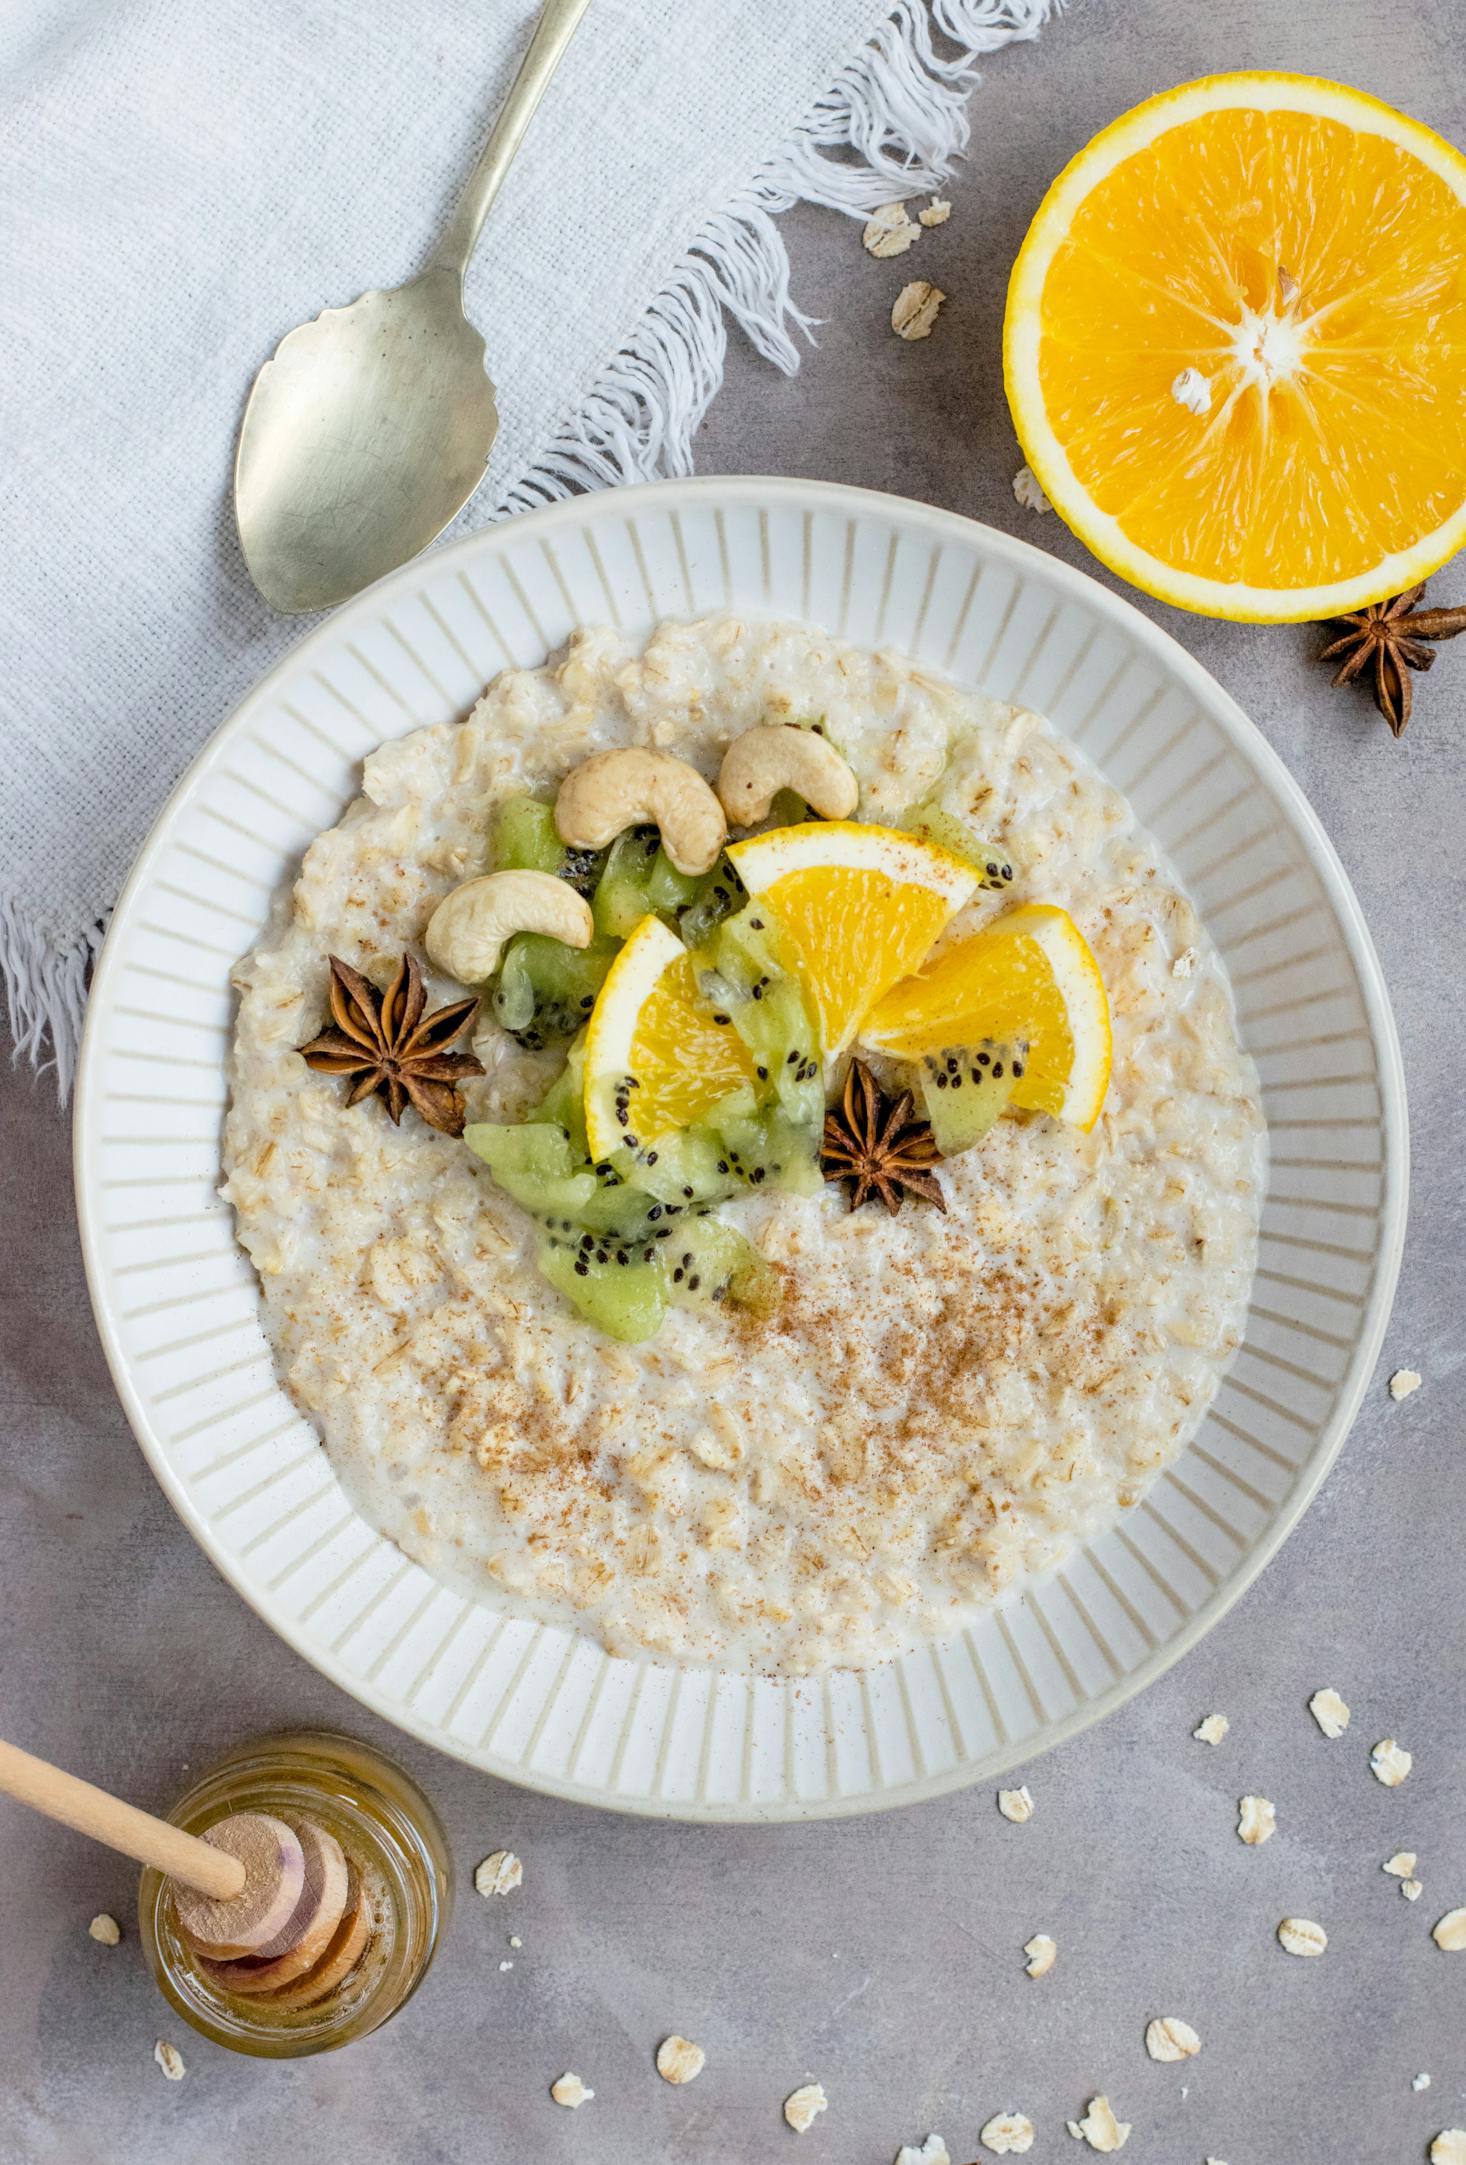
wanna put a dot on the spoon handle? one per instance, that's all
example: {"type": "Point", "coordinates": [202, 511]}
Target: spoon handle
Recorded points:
{"type": "Point", "coordinates": [553, 32]}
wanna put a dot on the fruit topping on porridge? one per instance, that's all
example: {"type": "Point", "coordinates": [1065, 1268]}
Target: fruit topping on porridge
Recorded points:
{"type": "Point", "coordinates": [707, 996]}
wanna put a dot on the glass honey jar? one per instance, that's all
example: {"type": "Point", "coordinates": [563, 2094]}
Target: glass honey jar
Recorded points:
{"type": "Point", "coordinates": [402, 1884]}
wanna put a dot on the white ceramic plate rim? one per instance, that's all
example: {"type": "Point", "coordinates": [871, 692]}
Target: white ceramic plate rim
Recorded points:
{"type": "Point", "coordinates": [760, 491]}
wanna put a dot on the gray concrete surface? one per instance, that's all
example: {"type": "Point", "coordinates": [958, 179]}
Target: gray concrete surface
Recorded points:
{"type": "Point", "coordinates": [880, 1956]}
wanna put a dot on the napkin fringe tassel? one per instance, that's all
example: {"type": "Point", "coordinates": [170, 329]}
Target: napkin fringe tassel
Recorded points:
{"type": "Point", "coordinates": [900, 106]}
{"type": "Point", "coordinates": [45, 987]}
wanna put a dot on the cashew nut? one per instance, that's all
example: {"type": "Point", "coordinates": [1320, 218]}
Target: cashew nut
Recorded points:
{"type": "Point", "coordinates": [467, 931]}
{"type": "Point", "coordinates": [757, 765]}
{"type": "Point", "coordinates": [611, 791]}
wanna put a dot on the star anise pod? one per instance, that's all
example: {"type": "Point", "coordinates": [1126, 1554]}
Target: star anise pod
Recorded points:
{"type": "Point", "coordinates": [386, 1041]}
{"type": "Point", "coordinates": [1392, 637]}
{"type": "Point", "coordinates": [873, 1141]}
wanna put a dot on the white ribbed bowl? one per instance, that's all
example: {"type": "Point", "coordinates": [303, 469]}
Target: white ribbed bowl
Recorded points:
{"type": "Point", "coordinates": [175, 1298]}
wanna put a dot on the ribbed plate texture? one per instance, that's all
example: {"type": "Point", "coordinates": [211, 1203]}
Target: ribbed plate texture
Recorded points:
{"type": "Point", "coordinates": [175, 1297]}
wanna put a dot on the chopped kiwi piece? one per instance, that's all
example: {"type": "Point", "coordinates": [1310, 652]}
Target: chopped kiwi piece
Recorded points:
{"type": "Point", "coordinates": [718, 894]}
{"type": "Point", "coordinates": [668, 890]}
{"type": "Point", "coordinates": [681, 1170]}
{"type": "Point", "coordinates": [544, 989]}
{"type": "Point", "coordinates": [625, 1300]}
{"type": "Point", "coordinates": [965, 1088]}
{"type": "Point", "coordinates": [622, 896]}
{"type": "Point", "coordinates": [524, 838]}
{"type": "Point", "coordinates": [741, 973]}
{"type": "Point", "coordinates": [564, 1101]}
{"type": "Point", "coordinates": [707, 1262]}
{"type": "Point", "coordinates": [767, 1148]}
{"type": "Point", "coordinates": [536, 1163]}
{"type": "Point", "coordinates": [951, 833]}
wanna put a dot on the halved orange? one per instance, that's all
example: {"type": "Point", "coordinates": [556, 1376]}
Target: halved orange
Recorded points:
{"type": "Point", "coordinates": [857, 907]}
{"type": "Point", "coordinates": [1235, 347]}
{"type": "Point", "coordinates": [1029, 976]}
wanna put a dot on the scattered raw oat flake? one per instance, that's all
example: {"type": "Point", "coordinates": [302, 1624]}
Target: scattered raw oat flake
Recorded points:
{"type": "Point", "coordinates": [680, 2060]}
{"type": "Point", "coordinates": [802, 2107]}
{"type": "Point", "coordinates": [503, 1966]}
{"type": "Point", "coordinates": [1449, 2147]}
{"type": "Point", "coordinates": [568, 2090]}
{"type": "Point", "coordinates": [1028, 490]}
{"type": "Point", "coordinates": [499, 1874]}
{"type": "Point", "coordinates": [889, 231]}
{"type": "Point", "coordinates": [1411, 1889]}
{"type": "Point", "coordinates": [1212, 1729]}
{"type": "Point", "coordinates": [1403, 1382]}
{"type": "Point", "coordinates": [1389, 1762]}
{"type": "Point", "coordinates": [1401, 1865]}
{"type": "Point", "coordinates": [1257, 1820]}
{"type": "Point", "coordinates": [1016, 1804]}
{"type": "Point", "coordinates": [1169, 2038]}
{"type": "Point", "coordinates": [170, 2059]}
{"type": "Point", "coordinates": [1329, 1711]}
{"type": "Point", "coordinates": [936, 213]}
{"type": "Point", "coordinates": [105, 1930]}
{"type": "Point", "coordinates": [1301, 1936]}
{"type": "Point", "coordinates": [931, 2152]}
{"type": "Point", "coordinates": [1042, 1954]}
{"type": "Point", "coordinates": [1420, 2082]}
{"type": "Point", "coordinates": [914, 311]}
{"type": "Point", "coordinates": [1099, 2127]}
{"type": "Point", "coordinates": [1008, 2134]}
{"type": "Point", "coordinates": [1450, 1934]}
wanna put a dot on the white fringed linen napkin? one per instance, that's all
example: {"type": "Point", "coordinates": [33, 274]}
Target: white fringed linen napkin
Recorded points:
{"type": "Point", "coordinates": [180, 185]}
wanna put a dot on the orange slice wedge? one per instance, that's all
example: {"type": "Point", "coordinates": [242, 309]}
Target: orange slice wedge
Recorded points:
{"type": "Point", "coordinates": [1235, 347]}
{"type": "Point", "coordinates": [856, 907]}
{"type": "Point", "coordinates": [1029, 976]}
{"type": "Point", "coordinates": [655, 1060]}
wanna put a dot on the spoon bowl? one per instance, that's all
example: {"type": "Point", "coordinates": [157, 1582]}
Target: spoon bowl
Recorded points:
{"type": "Point", "coordinates": [364, 437]}
{"type": "Point", "coordinates": [369, 429]}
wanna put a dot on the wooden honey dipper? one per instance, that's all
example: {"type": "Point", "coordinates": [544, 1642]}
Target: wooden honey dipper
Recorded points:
{"type": "Point", "coordinates": [269, 1903]}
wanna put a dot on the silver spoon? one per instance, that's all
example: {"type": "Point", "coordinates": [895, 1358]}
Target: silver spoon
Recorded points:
{"type": "Point", "coordinates": [370, 428]}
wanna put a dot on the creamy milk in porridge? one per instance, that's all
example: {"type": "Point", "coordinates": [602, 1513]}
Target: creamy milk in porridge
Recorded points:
{"type": "Point", "coordinates": [940, 1404]}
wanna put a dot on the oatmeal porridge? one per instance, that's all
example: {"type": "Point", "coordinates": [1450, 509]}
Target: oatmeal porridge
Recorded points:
{"type": "Point", "coordinates": [940, 1401]}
